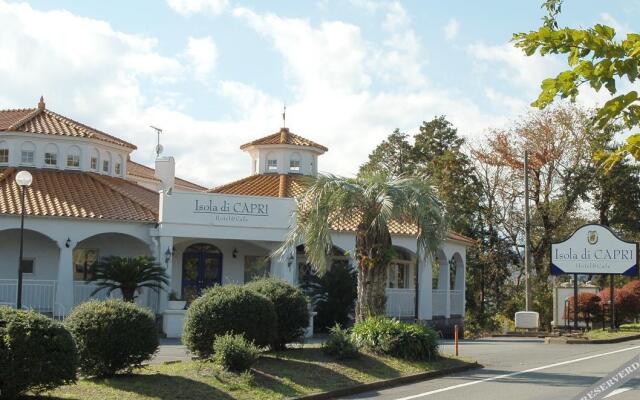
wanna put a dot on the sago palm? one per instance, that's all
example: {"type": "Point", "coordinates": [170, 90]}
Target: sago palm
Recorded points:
{"type": "Point", "coordinates": [372, 202]}
{"type": "Point", "coordinates": [129, 274]}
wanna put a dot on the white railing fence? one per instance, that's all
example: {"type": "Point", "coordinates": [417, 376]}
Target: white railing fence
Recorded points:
{"type": "Point", "coordinates": [37, 295]}
{"type": "Point", "coordinates": [401, 303]}
{"type": "Point", "coordinates": [457, 300]}
{"type": "Point", "coordinates": [439, 302]}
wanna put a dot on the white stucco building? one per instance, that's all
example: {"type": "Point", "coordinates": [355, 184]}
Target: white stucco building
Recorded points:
{"type": "Point", "coordinates": [89, 200]}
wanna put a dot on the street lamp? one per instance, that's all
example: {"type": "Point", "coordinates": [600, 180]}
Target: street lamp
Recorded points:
{"type": "Point", "coordinates": [23, 179]}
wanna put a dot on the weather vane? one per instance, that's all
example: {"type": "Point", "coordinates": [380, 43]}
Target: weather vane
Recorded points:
{"type": "Point", "coordinates": [284, 116]}
{"type": "Point", "coordinates": [159, 147]}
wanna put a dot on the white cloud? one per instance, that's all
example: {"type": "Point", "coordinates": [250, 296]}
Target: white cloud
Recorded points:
{"type": "Point", "coordinates": [188, 7]}
{"type": "Point", "coordinates": [202, 54]}
{"type": "Point", "coordinates": [622, 29]}
{"type": "Point", "coordinates": [451, 29]}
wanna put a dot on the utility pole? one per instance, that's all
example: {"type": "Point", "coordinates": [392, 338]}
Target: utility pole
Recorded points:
{"type": "Point", "coordinates": [527, 250]}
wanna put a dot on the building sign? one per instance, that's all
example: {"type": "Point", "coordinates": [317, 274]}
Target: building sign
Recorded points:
{"type": "Point", "coordinates": [226, 210]}
{"type": "Point", "coordinates": [594, 249]}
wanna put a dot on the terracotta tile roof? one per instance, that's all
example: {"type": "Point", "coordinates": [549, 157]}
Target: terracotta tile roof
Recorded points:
{"type": "Point", "coordinates": [270, 185]}
{"type": "Point", "coordinates": [76, 194]}
{"type": "Point", "coordinates": [142, 171]}
{"type": "Point", "coordinates": [284, 137]}
{"type": "Point", "coordinates": [42, 121]}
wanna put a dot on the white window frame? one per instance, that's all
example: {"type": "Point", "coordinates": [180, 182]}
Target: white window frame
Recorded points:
{"type": "Point", "coordinates": [117, 169]}
{"type": "Point", "coordinates": [272, 165]}
{"type": "Point", "coordinates": [393, 274]}
{"type": "Point", "coordinates": [73, 160]}
{"type": "Point", "coordinates": [32, 157]}
{"type": "Point", "coordinates": [47, 159]}
{"type": "Point", "coordinates": [3, 150]}
{"type": "Point", "coordinates": [106, 166]}
{"type": "Point", "coordinates": [295, 164]}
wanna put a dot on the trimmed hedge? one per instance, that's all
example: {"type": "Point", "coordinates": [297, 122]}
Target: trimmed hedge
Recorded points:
{"type": "Point", "coordinates": [399, 339]}
{"type": "Point", "coordinates": [228, 309]}
{"type": "Point", "coordinates": [36, 353]}
{"type": "Point", "coordinates": [112, 336]}
{"type": "Point", "coordinates": [292, 309]}
{"type": "Point", "coordinates": [234, 352]}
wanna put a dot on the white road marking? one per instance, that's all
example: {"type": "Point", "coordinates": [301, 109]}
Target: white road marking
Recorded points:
{"type": "Point", "coordinates": [493, 378]}
{"type": "Point", "coordinates": [617, 391]}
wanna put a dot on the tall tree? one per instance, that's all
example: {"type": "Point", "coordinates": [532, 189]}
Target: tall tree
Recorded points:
{"type": "Point", "coordinates": [373, 201]}
{"type": "Point", "coordinates": [394, 156]}
{"type": "Point", "coordinates": [597, 58]}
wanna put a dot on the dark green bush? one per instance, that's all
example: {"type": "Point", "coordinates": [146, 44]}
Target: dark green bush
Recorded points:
{"type": "Point", "coordinates": [292, 309]}
{"type": "Point", "coordinates": [234, 352]}
{"type": "Point", "coordinates": [339, 344]}
{"type": "Point", "coordinates": [228, 309]}
{"type": "Point", "coordinates": [36, 353]}
{"type": "Point", "coordinates": [112, 336]}
{"type": "Point", "coordinates": [399, 339]}
{"type": "Point", "coordinates": [333, 296]}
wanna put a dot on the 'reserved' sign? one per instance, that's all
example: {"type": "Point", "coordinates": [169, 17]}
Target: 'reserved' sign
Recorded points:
{"type": "Point", "coordinates": [594, 249]}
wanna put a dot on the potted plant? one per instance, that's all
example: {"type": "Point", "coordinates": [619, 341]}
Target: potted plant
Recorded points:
{"type": "Point", "coordinates": [175, 302]}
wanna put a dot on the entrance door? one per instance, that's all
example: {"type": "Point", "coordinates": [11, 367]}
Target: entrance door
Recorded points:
{"type": "Point", "coordinates": [201, 268]}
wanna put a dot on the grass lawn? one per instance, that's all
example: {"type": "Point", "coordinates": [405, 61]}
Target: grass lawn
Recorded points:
{"type": "Point", "coordinates": [604, 334]}
{"type": "Point", "coordinates": [276, 376]}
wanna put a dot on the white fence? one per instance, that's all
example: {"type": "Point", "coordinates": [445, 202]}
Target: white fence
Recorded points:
{"type": "Point", "coordinates": [401, 303]}
{"type": "Point", "coordinates": [37, 295]}
{"type": "Point", "coordinates": [439, 302]}
{"type": "Point", "coordinates": [457, 301]}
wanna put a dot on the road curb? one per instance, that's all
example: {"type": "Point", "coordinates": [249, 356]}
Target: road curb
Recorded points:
{"type": "Point", "coordinates": [365, 387]}
{"type": "Point", "coordinates": [594, 341]}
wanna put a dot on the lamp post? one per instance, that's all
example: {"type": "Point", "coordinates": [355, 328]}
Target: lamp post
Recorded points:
{"type": "Point", "coordinates": [23, 179]}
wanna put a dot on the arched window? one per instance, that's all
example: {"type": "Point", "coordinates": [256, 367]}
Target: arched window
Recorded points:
{"type": "Point", "coordinates": [272, 163]}
{"type": "Point", "coordinates": [117, 167]}
{"type": "Point", "coordinates": [51, 155]}
{"type": "Point", "coordinates": [95, 159]}
{"type": "Point", "coordinates": [4, 153]}
{"type": "Point", "coordinates": [294, 163]}
{"type": "Point", "coordinates": [400, 274]}
{"type": "Point", "coordinates": [73, 157]}
{"type": "Point", "coordinates": [27, 153]}
{"type": "Point", "coordinates": [106, 163]}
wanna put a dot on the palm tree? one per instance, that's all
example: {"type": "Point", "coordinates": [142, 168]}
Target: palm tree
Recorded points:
{"type": "Point", "coordinates": [129, 274]}
{"type": "Point", "coordinates": [372, 201]}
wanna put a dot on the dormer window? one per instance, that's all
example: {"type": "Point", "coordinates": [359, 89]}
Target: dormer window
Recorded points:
{"type": "Point", "coordinates": [73, 157]}
{"type": "Point", "coordinates": [272, 165]}
{"type": "Point", "coordinates": [294, 163]}
{"type": "Point", "coordinates": [51, 156]}
{"type": "Point", "coordinates": [4, 156]}
{"type": "Point", "coordinates": [117, 167]}
{"type": "Point", "coordinates": [106, 163]}
{"type": "Point", "coordinates": [27, 154]}
{"type": "Point", "coordinates": [95, 157]}
{"type": "Point", "coordinates": [105, 166]}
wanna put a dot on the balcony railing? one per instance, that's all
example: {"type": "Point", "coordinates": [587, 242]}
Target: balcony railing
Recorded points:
{"type": "Point", "coordinates": [457, 300]}
{"type": "Point", "coordinates": [401, 303]}
{"type": "Point", "coordinates": [37, 295]}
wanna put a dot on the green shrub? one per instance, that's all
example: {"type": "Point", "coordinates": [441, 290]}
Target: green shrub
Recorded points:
{"type": "Point", "coordinates": [228, 309]}
{"type": "Point", "coordinates": [339, 344]}
{"type": "Point", "coordinates": [333, 295]}
{"type": "Point", "coordinates": [630, 327]}
{"type": "Point", "coordinates": [36, 353]}
{"type": "Point", "coordinates": [292, 309]}
{"type": "Point", "coordinates": [234, 352]}
{"type": "Point", "coordinates": [112, 336]}
{"type": "Point", "coordinates": [399, 339]}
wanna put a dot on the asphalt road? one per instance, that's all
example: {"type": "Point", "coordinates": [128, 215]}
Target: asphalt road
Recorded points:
{"type": "Point", "coordinates": [523, 369]}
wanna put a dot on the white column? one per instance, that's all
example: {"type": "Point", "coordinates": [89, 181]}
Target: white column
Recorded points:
{"type": "Point", "coordinates": [166, 260]}
{"type": "Point", "coordinates": [64, 284]}
{"type": "Point", "coordinates": [425, 283]}
{"type": "Point", "coordinates": [284, 267]}
{"type": "Point", "coordinates": [464, 287]}
{"type": "Point", "coordinates": [446, 285]}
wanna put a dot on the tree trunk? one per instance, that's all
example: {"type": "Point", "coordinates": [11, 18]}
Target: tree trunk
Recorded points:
{"type": "Point", "coordinates": [373, 253]}
{"type": "Point", "coordinates": [128, 293]}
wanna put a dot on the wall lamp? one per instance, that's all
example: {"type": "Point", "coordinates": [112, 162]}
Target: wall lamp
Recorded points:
{"type": "Point", "coordinates": [290, 261]}
{"type": "Point", "coordinates": [68, 243]}
{"type": "Point", "coordinates": [167, 255]}
{"type": "Point", "coordinates": [234, 253]}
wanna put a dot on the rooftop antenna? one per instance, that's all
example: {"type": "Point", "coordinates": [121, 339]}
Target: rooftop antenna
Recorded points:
{"type": "Point", "coordinates": [159, 147]}
{"type": "Point", "coordinates": [284, 116]}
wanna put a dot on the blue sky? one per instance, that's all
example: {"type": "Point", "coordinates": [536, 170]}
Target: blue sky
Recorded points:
{"type": "Point", "coordinates": [215, 73]}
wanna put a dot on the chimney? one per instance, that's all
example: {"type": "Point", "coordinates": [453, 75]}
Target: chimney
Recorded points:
{"type": "Point", "coordinates": [282, 186]}
{"type": "Point", "coordinates": [284, 134]}
{"type": "Point", "coordinates": [166, 172]}
{"type": "Point", "coordinates": [41, 104]}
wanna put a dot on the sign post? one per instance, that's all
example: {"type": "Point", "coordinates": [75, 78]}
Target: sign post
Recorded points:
{"type": "Point", "coordinates": [594, 249]}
